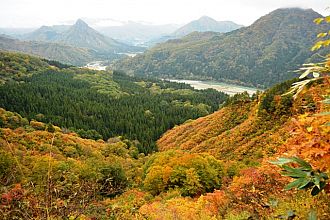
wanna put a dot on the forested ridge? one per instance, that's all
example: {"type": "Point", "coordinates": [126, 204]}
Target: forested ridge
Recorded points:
{"type": "Point", "coordinates": [111, 104]}
{"type": "Point", "coordinates": [48, 50]}
{"type": "Point", "coordinates": [260, 55]}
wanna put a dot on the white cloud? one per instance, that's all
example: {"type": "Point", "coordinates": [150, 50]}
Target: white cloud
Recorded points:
{"type": "Point", "coordinates": [27, 13]}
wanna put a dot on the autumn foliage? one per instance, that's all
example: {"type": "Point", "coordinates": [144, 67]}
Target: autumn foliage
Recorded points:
{"type": "Point", "coordinates": [191, 173]}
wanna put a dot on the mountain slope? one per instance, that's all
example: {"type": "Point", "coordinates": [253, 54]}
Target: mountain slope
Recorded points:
{"type": "Point", "coordinates": [259, 55]}
{"type": "Point", "coordinates": [53, 51]}
{"type": "Point", "coordinates": [254, 188]}
{"type": "Point", "coordinates": [80, 35]}
{"type": "Point", "coordinates": [46, 33]}
{"type": "Point", "coordinates": [204, 24]}
{"type": "Point", "coordinates": [249, 129]}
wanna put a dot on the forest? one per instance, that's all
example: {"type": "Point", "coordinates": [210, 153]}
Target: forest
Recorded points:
{"type": "Point", "coordinates": [260, 55]}
{"type": "Point", "coordinates": [215, 167]}
{"type": "Point", "coordinates": [102, 105]}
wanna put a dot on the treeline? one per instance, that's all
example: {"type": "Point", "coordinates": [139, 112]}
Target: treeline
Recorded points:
{"type": "Point", "coordinates": [261, 55]}
{"type": "Point", "coordinates": [57, 97]}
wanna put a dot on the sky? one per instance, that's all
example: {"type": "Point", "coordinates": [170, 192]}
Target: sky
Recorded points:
{"type": "Point", "coordinates": [34, 13]}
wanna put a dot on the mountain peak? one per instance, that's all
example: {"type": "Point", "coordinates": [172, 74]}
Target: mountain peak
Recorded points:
{"type": "Point", "coordinates": [293, 10]}
{"type": "Point", "coordinates": [81, 23]}
{"type": "Point", "coordinates": [206, 18]}
{"type": "Point", "coordinates": [293, 14]}
{"type": "Point", "coordinates": [205, 24]}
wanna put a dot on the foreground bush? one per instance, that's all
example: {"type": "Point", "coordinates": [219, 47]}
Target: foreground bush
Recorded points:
{"type": "Point", "coordinates": [192, 173]}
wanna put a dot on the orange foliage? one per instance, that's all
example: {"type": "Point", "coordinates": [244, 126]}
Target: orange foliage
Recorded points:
{"type": "Point", "coordinates": [234, 132]}
{"type": "Point", "coordinates": [303, 135]}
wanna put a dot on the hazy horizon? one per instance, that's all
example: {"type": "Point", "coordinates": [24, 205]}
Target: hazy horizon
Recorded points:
{"type": "Point", "coordinates": [33, 14]}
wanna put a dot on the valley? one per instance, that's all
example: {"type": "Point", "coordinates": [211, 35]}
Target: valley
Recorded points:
{"type": "Point", "coordinates": [260, 55]}
{"type": "Point", "coordinates": [104, 115]}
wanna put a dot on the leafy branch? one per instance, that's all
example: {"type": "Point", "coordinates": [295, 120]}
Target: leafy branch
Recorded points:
{"type": "Point", "coordinates": [305, 176]}
{"type": "Point", "coordinates": [317, 70]}
{"type": "Point", "coordinates": [322, 43]}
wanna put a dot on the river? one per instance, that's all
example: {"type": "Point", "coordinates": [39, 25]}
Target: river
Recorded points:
{"type": "Point", "coordinates": [96, 65]}
{"type": "Point", "coordinates": [230, 89]}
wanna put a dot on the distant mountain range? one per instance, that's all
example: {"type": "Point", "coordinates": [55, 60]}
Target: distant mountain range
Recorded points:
{"type": "Point", "coordinates": [137, 33]}
{"type": "Point", "coordinates": [205, 24]}
{"type": "Point", "coordinates": [148, 35]}
{"type": "Point", "coordinates": [54, 51]}
{"type": "Point", "coordinates": [46, 33]}
{"type": "Point", "coordinates": [259, 55]}
{"type": "Point", "coordinates": [16, 32]}
{"type": "Point", "coordinates": [80, 35]}
{"type": "Point", "coordinates": [75, 44]}
{"type": "Point", "coordinates": [131, 33]}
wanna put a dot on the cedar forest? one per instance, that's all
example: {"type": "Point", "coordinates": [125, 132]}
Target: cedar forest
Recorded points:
{"type": "Point", "coordinates": [85, 144]}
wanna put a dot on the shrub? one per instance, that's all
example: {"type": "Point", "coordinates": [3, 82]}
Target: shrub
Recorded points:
{"type": "Point", "coordinates": [191, 173]}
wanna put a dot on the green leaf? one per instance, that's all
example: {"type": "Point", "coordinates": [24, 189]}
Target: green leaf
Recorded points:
{"type": "Point", "coordinates": [316, 47]}
{"type": "Point", "coordinates": [315, 191]}
{"type": "Point", "coordinates": [324, 176]}
{"type": "Point", "coordinates": [316, 181]}
{"type": "Point", "coordinates": [327, 19]}
{"type": "Point", "coordinates": [318, 20]}
{"type": "Point", "coordinates": [320, 35]}
{"type": "Point", "coordinates": [294, 184]}
{"type": "Point", "coordinates": [322, 185]}
{"type": "Point", "coordinates": [304, 184]}
{"type": "Point", "coordinates": [281, 161]}
{"type": "Point", "coordinates": [322, 114]}
{"type": "Point", "coordinates": [326, 101]}
{"type": "Point", "coordinates": [312, 215]}
{"type": "Point", "coordinates": [293, 172]}
{"type": "Point", "coordinates": [326, 43]}
{"type": "Point", "coordinates": [305, 74]}
{"type": "Point", "coordinates": [291, 213]}
{"type": "Point", "coordinates": [302, 163]}
{"type": "Point", "coordinates": [309, 185]}
{"type": "Point", "coordinates": [316, 75]}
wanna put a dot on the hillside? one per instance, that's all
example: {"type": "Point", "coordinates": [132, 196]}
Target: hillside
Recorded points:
{"type": "Point", "coordinates": [46, 172]}
{"type": "Point", "coordinates": [205, 24]}
{"type": "Point", "coordinates": [52, 51]}
{"type": "Point", "coordinates": [245, 129]}
{"type": "Point", "coordinates": [259, 55]}
{"type": "Point", "coordinates": [99, 104]}
{"type": "Point", "coordinates": [246, 135]}
{"type": "Point", "coordinates": [59, 169]}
